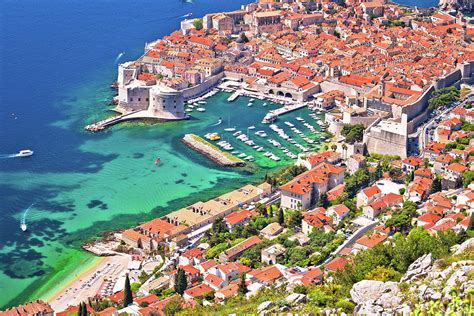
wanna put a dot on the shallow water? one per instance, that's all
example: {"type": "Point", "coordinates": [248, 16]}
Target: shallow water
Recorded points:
{"type": "Point", "coordinates": [58, 59]}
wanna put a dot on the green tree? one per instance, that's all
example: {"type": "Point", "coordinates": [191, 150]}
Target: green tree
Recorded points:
{"type": "Point", "coordinates": [323, 200]}
{"type": "Point", "coordinates": [436, 185]}
{"type": "Point", "coordinates": [353, 133]}
{"type": "Point", "coordinates": [409, 177]}
{"type": "Point", "coordinates": [333, 147]}
{"type": "Point", "coordinates": [467, 177]}
{"type": "Point", "coordinates": [127, 292]}
{"type": "Point", "coordinates": [242, 286]}
{"type": "Point", "coordinates": [443, 97]}
{"type": "Point", "coordinates": [383, 274]}
{"type": "Point", "coordinates": [180, 282]}
{"type": "Point", "coordinates": [281, 217]}
{"type": "Point", "coordinates": [197, 24]}
{"type": "Point", "coordinates": [172, 308]}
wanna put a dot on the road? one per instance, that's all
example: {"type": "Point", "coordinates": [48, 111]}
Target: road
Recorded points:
{"type": "Point", "coordinates": [351, 239]}
{"type": "Point", "coordinates": [421, 132]}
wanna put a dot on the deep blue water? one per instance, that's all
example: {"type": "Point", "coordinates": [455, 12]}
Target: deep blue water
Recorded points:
{"type": "Point", "coordinates": [57, 58]}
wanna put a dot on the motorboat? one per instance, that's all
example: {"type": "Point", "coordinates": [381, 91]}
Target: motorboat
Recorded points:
{"type": "Point", "coordinates": [23, 227]}
{"type": "Point", "coordinates": [251, 127]}
{"type": "Point", "coordinates": [201, 109]}
{"type": "Point", "coordinates": [25, 153]}
{"type": "Point", "coordinates": [229, 129]}
{"type": "Point", "coordinates": [250, 104]}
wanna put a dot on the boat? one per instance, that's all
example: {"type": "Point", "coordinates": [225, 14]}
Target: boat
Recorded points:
{"type": "Point", "coordinates": [157, 161]}
{"type": "Point", "coordinates": [229, 129]}
{"type": "Point", "coordinates": [25, 153]}
{"type": "Point", "coordinates": [201, 109]}
{"type": "Point", "coordinates": [189, 110]}
{"type": "Point", "coordinates": [212, 136]}
{"type": "Point", "coordinates": [251, 127]}
{"type": "Point", "coordinates": [250, 104]}
{"type": "Point", "coordinates": [264, 104]}
{"type": "Point", "coordinates": [251, 100]}
{"type": "Point", "coordinates": [23, 227]}
{"type": "Point", "coordinates": [187, 15]}
{"type": "Point", "coordinates": [241, 155]}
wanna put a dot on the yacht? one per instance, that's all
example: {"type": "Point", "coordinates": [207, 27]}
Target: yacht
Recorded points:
{"type": "Point", "coordinates": [251, 127]}
{"type": "Point", "coordinates": [25, 153]}
{"type": "Point", "coordinates": [300, 119]}
{"type": "Point", "coordinates": [250, 104]}
{"type": "Point", "coordinates": [265, 104]}
{"type": "Point", "coordinates": [229, 129]}
{"type": "Point", "coordinates": [201, 109]}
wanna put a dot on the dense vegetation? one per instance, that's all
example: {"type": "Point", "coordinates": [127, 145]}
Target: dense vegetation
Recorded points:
{"type": "Point", "coordinates": [353, 133]}
{"type": "Point", "coordinates": [443, 97]}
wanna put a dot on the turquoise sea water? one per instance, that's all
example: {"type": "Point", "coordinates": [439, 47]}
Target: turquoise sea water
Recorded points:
{"type": "Point", "coordinates": [57, 61]}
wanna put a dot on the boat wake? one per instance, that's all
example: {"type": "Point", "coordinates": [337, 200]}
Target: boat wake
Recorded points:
{"type": "Point", "coordinates": [119, 56]}
{"type": "Point", "coordinates": [23, 218]}
{"type": "Point", "coordinates": [186, 15]}
{"type": "Point", "coordinates": [218, 123]}
{"type": "Point", "coordinates": [8, 156]}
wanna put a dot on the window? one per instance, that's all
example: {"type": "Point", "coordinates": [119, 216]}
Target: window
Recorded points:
{"type": "Point", "coordinates": [131, 99]}
{"type": "Point", "coordinates": [147, 99]}
{"type": "Point", "coordinates": [139, 99]}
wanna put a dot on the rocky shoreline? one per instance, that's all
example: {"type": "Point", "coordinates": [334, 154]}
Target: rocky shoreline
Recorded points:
{"type": "Point", "coordinates": [210, 151]}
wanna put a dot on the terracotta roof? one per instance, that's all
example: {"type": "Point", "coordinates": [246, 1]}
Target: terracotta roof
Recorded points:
{"type": "Point", "coordinates": [266, 274]}
{"type": "Point", "coordinates": [371, 191]}
{"type": "Point", "coordinates": [336, 264]}
{"type": "Point", "coordinates": [237, 217]}
{"type": "Point", "coordinates": [429, 218]}
{"type": "Point", "coordinates": [371, 241]}
{"type": "Point", "coordinates": [242, 246]}
{"type": "Point", "coordinates": [214, 280]}
{"type": "Point", "coordinates": [229, 290]}
{"type": "Point", "coordinates": [199, 290]}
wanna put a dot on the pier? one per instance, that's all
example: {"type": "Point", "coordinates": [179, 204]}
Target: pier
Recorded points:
{"type": "Point", "coordinates": [273, 114]}
{"type": "Point", "coordinates": [212, 152]}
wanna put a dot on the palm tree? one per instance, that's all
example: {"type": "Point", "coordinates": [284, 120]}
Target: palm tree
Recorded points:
{"type": "Point", "coordinates": [344, 150]}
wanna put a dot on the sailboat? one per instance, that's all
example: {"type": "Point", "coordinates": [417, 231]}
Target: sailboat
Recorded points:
{"type": "Point", "coordinates": [229, 129]}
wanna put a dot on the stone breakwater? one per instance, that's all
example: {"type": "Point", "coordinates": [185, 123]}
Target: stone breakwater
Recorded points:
{"type": "Point", "coordinates": [212, 152]}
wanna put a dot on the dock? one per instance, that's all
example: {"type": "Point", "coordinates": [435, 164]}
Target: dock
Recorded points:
{"type": "Point", "coordinates": [273, 114]}
{"type": "Point", "coordinates": [234, 96]}
{"type": "Point", "coordinates": [212, 152]}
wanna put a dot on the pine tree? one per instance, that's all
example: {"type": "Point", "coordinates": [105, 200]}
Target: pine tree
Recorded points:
{"type": "Point", "coordinates": [127, 292]}
{"type": "Point", "coordinates": [180, 283]}
{"type": "Point", "coordinates": [281, 217]}
{"type": "Point", "coordinates": [436, 185]}
{"type": "Point", "coordinates": [323, 200]}
{"type": "Point", "coordinates": [79, 311]}
{"type": "Point", "coordinates": [242, 286]}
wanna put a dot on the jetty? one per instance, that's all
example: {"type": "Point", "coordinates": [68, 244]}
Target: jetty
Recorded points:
{"type": "Point", "coordinates": [273, 114]}
{"type": "Point", "coordinates": [212, 152]}
{"type": "Point", "coordinates": [234, 96]}
{"type": "Point", "coordinates": [135, 115]}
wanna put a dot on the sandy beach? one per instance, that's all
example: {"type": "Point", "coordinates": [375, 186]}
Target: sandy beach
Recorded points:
{"type": "Point", "coordinates": [87, 283]}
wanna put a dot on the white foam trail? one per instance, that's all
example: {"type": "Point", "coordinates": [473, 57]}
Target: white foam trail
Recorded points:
{"type": "Point", "coordinates": [23, 219]}
{"type": "Point", "coordinates": [119, 56]}
{"type": "Point", "coordinates": [218, 123]}
{"type": "Point", "coordinates": [8, 156]}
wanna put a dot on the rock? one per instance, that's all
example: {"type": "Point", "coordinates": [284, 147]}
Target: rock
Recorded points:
{"type": "Point", "coordinates": [419, 268]}
{"type": "Point", "coordinates": [367, 290]}
{"type": "Point", "coordinates": [403, 310]}
{"type": "Point", "coordinates": [467, 245]}
{"type": "Point", "coordinates": [264, 306]}
{"type": "Point", "coordinates": [295, 299]}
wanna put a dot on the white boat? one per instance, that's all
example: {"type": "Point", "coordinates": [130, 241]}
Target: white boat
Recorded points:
{"type": "Point", "coordinates": [250, 104]}
{"type": "Point", "coordinates": [25, 153]}
{"type": "Point", "coordinates": [300, 119]}
{"type": "Point", "coordinates": [23, 227]}
{"type": "Point", "coordinates": [289, 124]}
{"type": "Point", "coordinates": [265, 104]}
{"type": "Point", "coordinates": [251, 127]}
{"type": "Point", "coordinates": [229, 129]}
{"type": "Point", "coordinates": [251, 100]}
{"type": "Point", "coordinates": [189, 110]}
{"type": "Point", "coordinates": [241, 155]}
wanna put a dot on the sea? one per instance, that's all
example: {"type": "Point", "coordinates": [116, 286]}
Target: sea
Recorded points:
{"type": "Point", "coordinates": [57, 61]}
